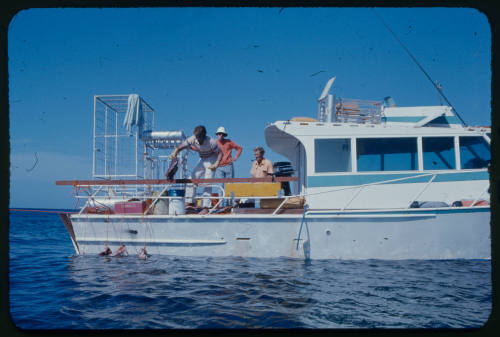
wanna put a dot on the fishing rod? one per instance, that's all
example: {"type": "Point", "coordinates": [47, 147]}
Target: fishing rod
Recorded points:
{"type": "Point", "coordinates": [435, 84]}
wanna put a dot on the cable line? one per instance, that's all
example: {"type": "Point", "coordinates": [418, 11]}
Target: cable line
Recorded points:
{"type": "Point", "coordinates": [435, 84]}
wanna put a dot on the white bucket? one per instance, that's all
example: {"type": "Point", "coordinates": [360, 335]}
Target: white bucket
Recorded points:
{"type": "Point", "coordinates": [177, 206]}
{"type": "Point", "coordinates": [161, 207]}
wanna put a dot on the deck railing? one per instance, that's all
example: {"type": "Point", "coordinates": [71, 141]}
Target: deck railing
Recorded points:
{"type": "Point", "coordinates": [359, 188]}
{"type": "Point", "coordinates": [125, 189]}
{"type": "Point", "coordinates": [358, 111]}
{"type": "Point", "coordinates": [216, 183]}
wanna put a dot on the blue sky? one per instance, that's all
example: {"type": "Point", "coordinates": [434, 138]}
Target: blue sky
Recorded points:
{"type": "Point", "coordinates": [237, 67]}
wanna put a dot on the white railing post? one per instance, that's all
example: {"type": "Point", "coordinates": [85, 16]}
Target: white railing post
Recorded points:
{"type": "Point", "coordinates": [280, 205]}
{"type": "Point", "coordinates": [89, 198]}
{"type": "Point", "coordinates": [220, 198]}
{"type": "Point", "coordinates": [156, 200]}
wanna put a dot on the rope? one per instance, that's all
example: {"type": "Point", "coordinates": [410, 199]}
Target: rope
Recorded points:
{"type": "Point", "coordinates": [145, 230]}
{"type": "Point", "coordinates": [421, 68]}
{"type": "Point", "coordinates": [301, 223]}
{"type": "Point", "coordinates": [107, 231]}
{"type": "Point", "coordinates": [142, 220]}
{"type": "Point", "coordinates": [85, 235]}
{"type": "Point", "coordinates": [38, 211]}
{"type": "Point", "coordinates": [121, 229]}
{"type": "Point", "coordinates": [74, 191]}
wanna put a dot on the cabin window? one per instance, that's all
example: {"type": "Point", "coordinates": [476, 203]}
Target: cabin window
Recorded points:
{"type": "Point", "coordinates": [438, 153]}
{"type": "Point", "coordinates": [332, 155]}
{"type": "Point", "coordinates": [474, 152]}
{"type": "Point", "coordinates": [387, 154]}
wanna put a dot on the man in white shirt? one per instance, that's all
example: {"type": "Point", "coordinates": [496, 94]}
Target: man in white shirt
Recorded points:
{"type": "Point", "coordinates": [210, 157]}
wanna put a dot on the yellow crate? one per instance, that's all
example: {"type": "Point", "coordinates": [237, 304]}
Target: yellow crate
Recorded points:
{"type": "Point", "coordinates": [252, 190]}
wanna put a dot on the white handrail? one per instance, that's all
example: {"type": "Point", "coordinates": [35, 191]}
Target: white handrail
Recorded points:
{"type": "Point", "coordinates": [281, 204]}
{"type": "Point", "coordinates": [154, 201]}
{"type": "Point", "coordinates": [422, 191]}
{"type": "Point", "coordinates": [353, 197]}
{"type": "Point", "coordinates": [362, 186]}
{"type": "Point", "coordinates": [218, 197]}
{"type": "Point", "coordinates": [370, 184]}
{"type": "Point", "coordinates": [484, 191]}
{"type": "Point", "coordinates": [89, 197]}
{"type": "Point", "coordinates": [286, 198]}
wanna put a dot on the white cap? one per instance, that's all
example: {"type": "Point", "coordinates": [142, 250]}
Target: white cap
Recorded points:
{"type": "Point", "coordinates": [221, 129]}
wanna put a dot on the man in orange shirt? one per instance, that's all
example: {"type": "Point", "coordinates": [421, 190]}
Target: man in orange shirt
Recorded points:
{"type": "Point", "coordinates": [226, 168]}
{"type": "Point", "coordinates": [261, 167]}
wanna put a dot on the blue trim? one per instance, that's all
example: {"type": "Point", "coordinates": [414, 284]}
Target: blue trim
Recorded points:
{"type": "Point", "coordinates": [414, 211]}
{"type": "Point", "coordinates": [151, 243]}
{"type": "Point", "coordinates": [445, 120]}
{"type": "Point", "coordinates": [416, 119]}
{"type": "Point", "coordinates": [403, 119]}
{"type": "Point", "coordinates": [360, 179]}
{"type": "Point", "coordinates": [462, 176]}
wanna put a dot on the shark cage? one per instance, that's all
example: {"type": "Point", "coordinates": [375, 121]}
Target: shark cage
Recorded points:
{"type": "Point", "coordinates": [126, 147]}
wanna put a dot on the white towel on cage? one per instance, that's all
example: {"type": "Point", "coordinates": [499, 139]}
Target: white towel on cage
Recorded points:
{"type": "Point", "coordinates": [134, 114]}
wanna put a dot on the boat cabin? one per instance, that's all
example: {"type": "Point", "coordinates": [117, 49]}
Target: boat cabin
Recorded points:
{"type": "Point", "coordinates": [371, 154]}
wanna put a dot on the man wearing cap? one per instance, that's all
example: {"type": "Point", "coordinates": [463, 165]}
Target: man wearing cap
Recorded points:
{"type": "Point", "coordinates": [226, 168]}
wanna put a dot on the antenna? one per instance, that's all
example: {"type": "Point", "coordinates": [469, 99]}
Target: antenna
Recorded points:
{"type": "Point", "coordinates": [325, 103]}
{"type": "Point", "coordinates": [435, 84]}
{"type": "Point", "coordinates": [327, 88]}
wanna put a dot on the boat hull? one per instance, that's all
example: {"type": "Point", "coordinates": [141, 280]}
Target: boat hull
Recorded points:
{"type": "Point", "coordinates": [448, 233]}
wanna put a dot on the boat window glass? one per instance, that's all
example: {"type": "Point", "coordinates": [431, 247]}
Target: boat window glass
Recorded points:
{"type": "Point", "coordinates": [438, 153]}
{"type": "Point", "coordinates": [474, 152]}
{"type": "Point", "coordinates": [332, 155]}
{"type": "Point", "coordinates": [387, 154]}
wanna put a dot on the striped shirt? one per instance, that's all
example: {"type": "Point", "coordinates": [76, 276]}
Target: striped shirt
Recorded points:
{"type": "Point", "coordinates": [207, 149]}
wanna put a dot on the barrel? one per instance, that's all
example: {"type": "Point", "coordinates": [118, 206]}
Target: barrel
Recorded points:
{"type": "Point", "coordinates": [177, 204]}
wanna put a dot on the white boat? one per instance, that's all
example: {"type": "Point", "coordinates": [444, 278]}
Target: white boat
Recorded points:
{"type": "Point", "coordinates": [370, 181]}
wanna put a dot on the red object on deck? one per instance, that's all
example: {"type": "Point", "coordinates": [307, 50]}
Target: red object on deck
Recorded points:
{"type": "Point", "coordinates": [128, 207]}
{"type": "Point", "coordinates": [98, 210]}
{"type": "Point", "coordinates": [468, 203]}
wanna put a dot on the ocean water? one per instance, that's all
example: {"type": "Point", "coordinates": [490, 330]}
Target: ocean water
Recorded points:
{"type": "Point", "coordinates": [51, 288]}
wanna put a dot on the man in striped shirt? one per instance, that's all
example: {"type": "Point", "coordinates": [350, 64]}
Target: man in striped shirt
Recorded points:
{"type": "Point", "coordinates": [210, 157]}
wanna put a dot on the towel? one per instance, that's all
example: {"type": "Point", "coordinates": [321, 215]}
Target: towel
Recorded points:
{"type": "Point", "coordinates": [134, 114]}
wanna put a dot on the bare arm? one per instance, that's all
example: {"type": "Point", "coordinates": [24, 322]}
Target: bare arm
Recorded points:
{"type": "Point", "coordinates": [177, 150]}
{"type": "Point", "coordinates": [238, 149]}
{"type": "Point", "coordinates": [219, 157]}
{"type": "Point", "coordinates": [253, 171]}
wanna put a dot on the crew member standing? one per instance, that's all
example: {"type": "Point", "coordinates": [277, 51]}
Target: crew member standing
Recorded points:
{"type": "Point", "coordinates": [261, 167]}
{"type": "Point", "coordinates": [226, 168]}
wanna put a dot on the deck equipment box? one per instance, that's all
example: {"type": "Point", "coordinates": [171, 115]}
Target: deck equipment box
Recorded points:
{"type": "Point", "coordinates": [293, 202]}
{"type": "Point", "coordinates": [252, 189]}
{"type": "Point", "coordinates": [130, 207]}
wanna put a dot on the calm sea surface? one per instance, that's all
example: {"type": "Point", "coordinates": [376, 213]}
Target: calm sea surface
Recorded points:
{"type": "Point", "coordinates": [50, 288]}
